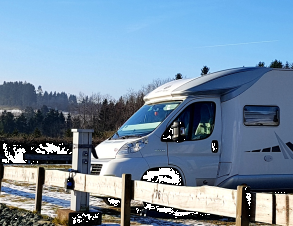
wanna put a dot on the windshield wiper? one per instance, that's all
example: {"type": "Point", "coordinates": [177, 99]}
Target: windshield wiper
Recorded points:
{"type": "Point", "coordinates": [113, 136]}
{"type": "Point", "coordinates": [128, 136]}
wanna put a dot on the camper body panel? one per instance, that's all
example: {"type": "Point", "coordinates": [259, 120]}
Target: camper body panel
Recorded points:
{"type": "Point", "coordinates": [118, 166]}
{"type": "Point", "coordinates": [155, 153]}
{"type": "Point", "coordinates": [254, 153]}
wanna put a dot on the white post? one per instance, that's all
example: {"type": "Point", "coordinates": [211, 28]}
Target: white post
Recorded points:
{"type": "Point", "coordinates": [81, 161]}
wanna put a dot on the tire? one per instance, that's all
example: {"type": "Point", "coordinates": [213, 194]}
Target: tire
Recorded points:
{"type": "Point", "coordinates": [163, 176]}
{"type": "Point", "coordinates": [112, 202]}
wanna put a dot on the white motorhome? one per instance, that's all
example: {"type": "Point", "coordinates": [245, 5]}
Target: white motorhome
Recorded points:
{"type": "Point", "coordinates": [222, 129]}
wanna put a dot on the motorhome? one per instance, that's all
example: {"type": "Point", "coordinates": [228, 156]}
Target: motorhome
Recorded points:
{"type": "Point", "coordinates": [222, 129]}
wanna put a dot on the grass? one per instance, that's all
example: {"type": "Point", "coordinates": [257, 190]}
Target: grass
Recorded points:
{"type": "Point", "coordinates": [57, 221]}
{"type": "Point", "coordinates": [43, 217]}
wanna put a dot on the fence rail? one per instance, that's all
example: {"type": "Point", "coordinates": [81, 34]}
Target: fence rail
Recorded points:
{"type": "Point", "coordinates": [264, 207]}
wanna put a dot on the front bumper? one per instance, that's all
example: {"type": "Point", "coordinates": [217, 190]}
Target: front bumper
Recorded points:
{"type": "Point", "coordinates": [116, 167]}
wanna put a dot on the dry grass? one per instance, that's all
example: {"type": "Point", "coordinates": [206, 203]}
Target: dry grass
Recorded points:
{"type": "Point", "coordinates": [57, 221]}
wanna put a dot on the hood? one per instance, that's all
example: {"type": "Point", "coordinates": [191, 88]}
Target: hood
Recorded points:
{"type": "Point", "coordinates": [109, 148]}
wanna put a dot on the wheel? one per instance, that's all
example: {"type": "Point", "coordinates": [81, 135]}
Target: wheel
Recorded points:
{"type": "Point", "coordinates": [112, 202]}
{"type": "Point", "coordinates": [163, 176]}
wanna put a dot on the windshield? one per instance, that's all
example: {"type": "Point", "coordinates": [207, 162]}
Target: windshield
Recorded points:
{"type": "Point", "coordinates": [145, 120]}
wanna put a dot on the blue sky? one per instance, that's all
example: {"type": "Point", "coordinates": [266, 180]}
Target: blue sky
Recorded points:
{"type": "Point", "coordinates": [111, 47]}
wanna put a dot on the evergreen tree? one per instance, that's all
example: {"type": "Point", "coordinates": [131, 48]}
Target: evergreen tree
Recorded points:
{"type": "Point", "coordinates": [38, 119]}
{"type": "Point", "coordinates": [261, 64]}
{"type": "Point", "coordinates": [178, 76]}
{"type": "Point", "coordinates": [37, 133]}
{"type": "Point", "coordinates": [44, 110]}
{"type": "Point", "coordinates": [205, 70]}
{"type": "Point", "coordinates": [68, 122]}
{"type": "Point", "coordinates": [61, 125]}
{"type": "Point", "coordinates": [21, 123]}
{"type": "Point", "coordinates": [29, 112]}
{"type": "Point", "coordinates": [31, 125]}
{"type": "Point", "coordinates": [49, 123]}
{"type": "Point", "coordinates": [276, 64]}
{"type": "Point", "coordinates": [7, 122]}
{"type": "Point", "coordinates": [287, 65]}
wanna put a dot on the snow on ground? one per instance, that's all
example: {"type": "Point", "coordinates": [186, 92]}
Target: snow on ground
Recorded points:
{"type": "Point", "coordinates": [15, 112]}
{"type": "Point", "coordinates": [53, 198]}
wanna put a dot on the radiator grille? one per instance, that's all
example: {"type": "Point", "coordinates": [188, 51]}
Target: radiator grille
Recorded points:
{"type": "Point", "coordinates": [96, 169]}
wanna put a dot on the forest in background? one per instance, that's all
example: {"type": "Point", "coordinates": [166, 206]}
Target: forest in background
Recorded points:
{"type": "Point", "coordinates": [55, 114]}
{"type": "Point", "coordinates": [22, 94]}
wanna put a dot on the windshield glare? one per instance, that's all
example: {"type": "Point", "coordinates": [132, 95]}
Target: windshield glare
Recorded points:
{"type": "Point", "coordinates": [145, 120]}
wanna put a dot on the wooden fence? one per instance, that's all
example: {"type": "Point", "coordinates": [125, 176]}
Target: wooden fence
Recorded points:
{"type": "Point", "coordinates": [241, 204]}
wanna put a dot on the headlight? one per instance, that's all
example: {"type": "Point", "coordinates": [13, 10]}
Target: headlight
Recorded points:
{"type": "Point", "coordinates": [132, 147]}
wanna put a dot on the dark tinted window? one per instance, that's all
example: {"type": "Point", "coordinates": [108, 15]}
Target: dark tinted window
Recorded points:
{"type": "Point", "coordinates": [198, 120]}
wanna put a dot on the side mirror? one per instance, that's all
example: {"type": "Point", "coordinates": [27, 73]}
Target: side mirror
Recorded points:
{"type": "Point", "coordinates": [178, 131]}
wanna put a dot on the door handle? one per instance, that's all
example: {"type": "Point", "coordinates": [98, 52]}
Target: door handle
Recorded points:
{"type": "Point", "coordinates": [215, 146]}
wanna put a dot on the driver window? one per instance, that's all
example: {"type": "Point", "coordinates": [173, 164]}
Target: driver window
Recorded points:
{"type": "Point", "coordinates": [198, 120]}
{"type": "Point", "coordinates": [203, 121]}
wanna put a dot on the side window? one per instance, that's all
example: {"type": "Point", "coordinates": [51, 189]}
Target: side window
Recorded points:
{"type": "Point", "coordinates": [198, 120]}
{"type": "Point", "coordinates": [261, 115]}
{"type": "Point", "coordinates": [203, 121]}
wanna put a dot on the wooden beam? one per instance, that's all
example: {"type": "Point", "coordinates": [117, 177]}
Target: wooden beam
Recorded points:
{"type": "Point", "coordinates": [103, 185]}
{"type": "Point", "coordinates": [1, 175]}
{"type": "Point", "coordinates": [126, 195]}
{"type": "Point", "coordinates": [206, 199]}
{"type": "Point", "coordinates": [20, 174]}
{"type": "Point", "coordinates": [261, 208]}
{"type": "Point", "coordinates": [99, 185]}
{"type": "Point", "coordinates": [55, 178]}
{"type": "Point", "coordinates": [242, 208]}
{"type": "Point", "coordinates": [39, 188]}
{"type": "Point", "coordinates": [284, 209]}
{"type": "Point", "coordinates": [290, 207]}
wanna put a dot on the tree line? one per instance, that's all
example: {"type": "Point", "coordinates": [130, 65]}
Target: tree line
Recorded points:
{"type": "Point", "coordinates": [23, 94]}
{"type": "Point", "coordinates": [277, 64]}
{"type": "Point", "coordinates": [51, 123]}
{"type": "Point", "coordinates": [99, 112]}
